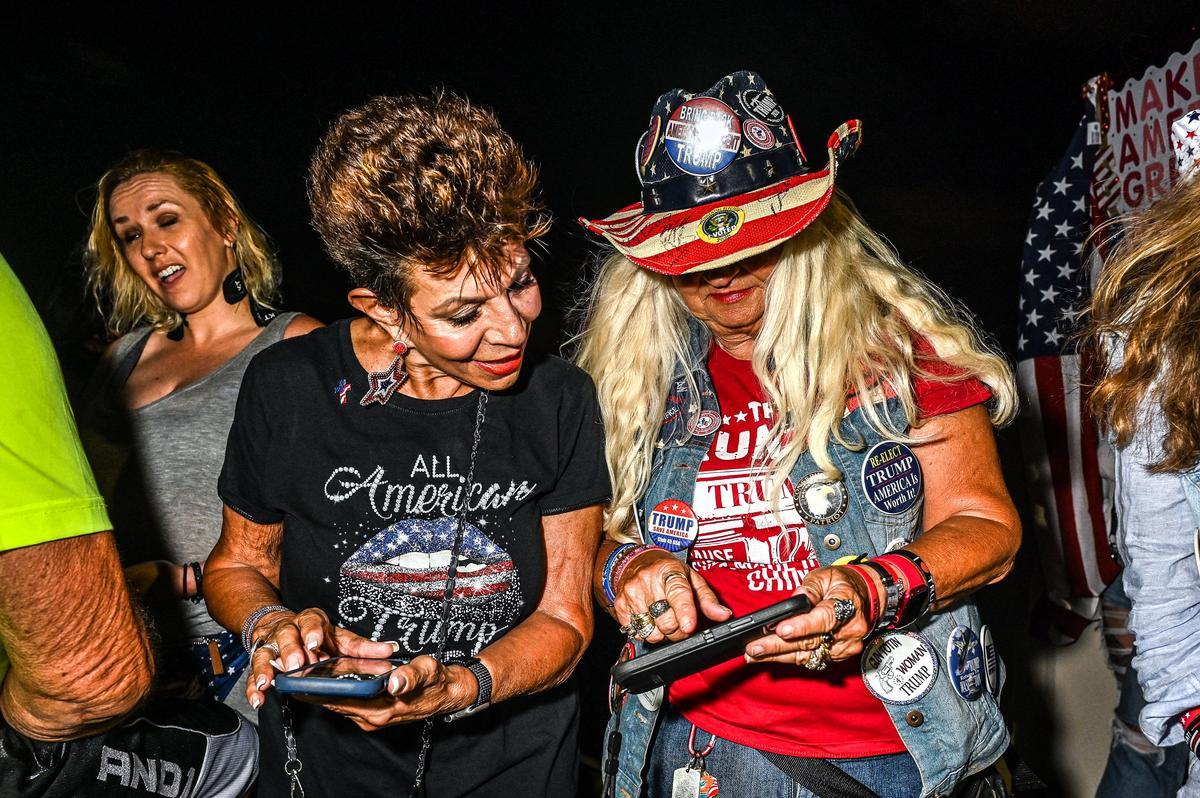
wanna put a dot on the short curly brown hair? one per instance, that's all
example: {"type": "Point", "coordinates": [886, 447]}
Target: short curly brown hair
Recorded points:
{"type": "Point", "coordinates": [427, 181]}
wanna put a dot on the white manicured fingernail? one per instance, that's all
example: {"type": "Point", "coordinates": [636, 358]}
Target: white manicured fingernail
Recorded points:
{"type": "Point", "coordinates": [395, 646]}
{"type": "Point", "coordinates": [256, 702]}
{"type": "Point", "coordinates": [312, 641]}
{"type": "Point", "coordinates": [261, 683]}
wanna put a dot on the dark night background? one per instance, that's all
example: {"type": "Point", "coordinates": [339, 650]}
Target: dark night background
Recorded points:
{"type": "Point", "coordinates": [965, 107]}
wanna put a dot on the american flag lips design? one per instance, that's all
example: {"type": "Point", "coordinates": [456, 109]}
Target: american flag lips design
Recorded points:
{"type": "Point", "coordinates": [412, 557]}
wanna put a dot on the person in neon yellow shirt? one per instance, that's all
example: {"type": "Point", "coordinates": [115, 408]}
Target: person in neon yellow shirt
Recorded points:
{"type": "Point", "coordinates": [75, 659]}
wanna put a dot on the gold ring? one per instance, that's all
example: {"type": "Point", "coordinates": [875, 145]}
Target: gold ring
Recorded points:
{"type": "Point", "coordinates": [819, 659]}
{"type": "Point", "coordinates": [674, 575]}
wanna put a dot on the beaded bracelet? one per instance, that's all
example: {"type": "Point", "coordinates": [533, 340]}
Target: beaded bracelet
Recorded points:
{"type": "Point", "coordinates": [629, 557]}
{"type": "Point", "coordinates": [198, 578]}
{"type": "Point", "coordinates": [255, 617]}
{"type": "Point", "coordinates": [606, 581]}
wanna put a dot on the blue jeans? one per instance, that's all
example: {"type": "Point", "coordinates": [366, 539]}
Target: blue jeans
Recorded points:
{"type": "Point", "coordinates": [1158, 773]}
{"type": "Point", "coordinates": [742, 771]}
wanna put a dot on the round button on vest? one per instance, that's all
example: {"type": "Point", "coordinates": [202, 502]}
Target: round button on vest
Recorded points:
{"type": "Point", "coordinates": [914, 718]}
{"type": "Point", "coordinates": [833, 542]}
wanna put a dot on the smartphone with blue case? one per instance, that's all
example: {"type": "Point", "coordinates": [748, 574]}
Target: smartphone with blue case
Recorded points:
{"type": "Point", "coordinates": [339, 677]}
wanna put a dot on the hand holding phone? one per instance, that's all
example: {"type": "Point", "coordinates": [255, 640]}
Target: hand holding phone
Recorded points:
{"type": "Point", "coordinates": [705, 648]}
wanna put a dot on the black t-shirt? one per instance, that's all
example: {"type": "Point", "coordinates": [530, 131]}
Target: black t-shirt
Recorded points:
{"type": "Point", "coordinates": [369, 498]}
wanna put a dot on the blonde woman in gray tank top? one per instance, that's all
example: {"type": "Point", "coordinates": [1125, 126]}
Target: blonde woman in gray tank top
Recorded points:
{"type": "Point", "coordinates": [185, 281]}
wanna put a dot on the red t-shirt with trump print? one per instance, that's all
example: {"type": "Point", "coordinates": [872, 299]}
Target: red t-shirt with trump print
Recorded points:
{"type": "Point", "coordinates": [751, 560]}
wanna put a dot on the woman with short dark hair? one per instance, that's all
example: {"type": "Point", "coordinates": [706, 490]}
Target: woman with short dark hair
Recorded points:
{"type": "Point", "coordinates": [405, 484]}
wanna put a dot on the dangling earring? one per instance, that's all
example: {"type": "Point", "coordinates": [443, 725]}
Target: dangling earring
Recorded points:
{"type": "Point", "coordinates": [382, 384]}
{"type": "Point", "coordinates": [234, 287]}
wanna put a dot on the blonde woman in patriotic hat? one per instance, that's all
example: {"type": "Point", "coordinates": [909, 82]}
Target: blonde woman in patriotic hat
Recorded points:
{"type": "Point", "coordinates": [790, 409]}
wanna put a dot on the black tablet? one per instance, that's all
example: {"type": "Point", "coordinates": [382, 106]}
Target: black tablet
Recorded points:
{"type": "Point", "coordinates": [705, 648]}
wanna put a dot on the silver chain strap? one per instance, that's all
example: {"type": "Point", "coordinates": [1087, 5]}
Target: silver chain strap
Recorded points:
{"type": "Point", "coordinates": [293, 765]}
{"type": "Point", "coordinates": [451, 575]}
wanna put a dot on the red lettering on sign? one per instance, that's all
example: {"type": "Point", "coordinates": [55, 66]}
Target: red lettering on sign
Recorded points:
{"type": "Point", "coordinates": [1153, 142]}
{"type": "Point", "coordinates": [1131, 189]}
{"type": "Point", "coordinates": [1154, 179]}
{"type": "Point", "coordinates": [1175, 86]}
{"type": "Point", "coordinates": [1129, 153]}
{"type": "Point", "coordinates": [1150, 99]}
{"type": "Point", "coordinates": [1126, 115]}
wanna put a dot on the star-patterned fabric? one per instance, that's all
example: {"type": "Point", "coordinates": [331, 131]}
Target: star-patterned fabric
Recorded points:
{"type": "Point", "coordinates": [1053, 277]}
{"type": "Point", "coordinates": [1059, 438]}
{"type": "Point", "coordinates": [1185, 137]}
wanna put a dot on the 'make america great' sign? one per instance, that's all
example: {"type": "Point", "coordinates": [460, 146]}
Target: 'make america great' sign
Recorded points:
{"type": "Point", "coordinates": [1141, 113]}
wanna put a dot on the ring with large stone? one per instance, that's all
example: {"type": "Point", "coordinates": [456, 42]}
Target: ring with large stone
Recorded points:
{"type": "Point", "coordinates": [659, 608]}
{"type": "Point", "coordinates": [819, 659]}
{"type": "Point", "coordinates": [843, 609]}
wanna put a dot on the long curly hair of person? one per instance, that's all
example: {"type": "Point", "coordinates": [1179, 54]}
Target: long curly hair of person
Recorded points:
{"type": "Point", "coordinates": [1147, 303]}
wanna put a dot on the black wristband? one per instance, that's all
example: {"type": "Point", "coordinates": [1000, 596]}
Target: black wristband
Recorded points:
{"type": "Point", "coordinates": [198, 577]}
{"type": "Point", "coordinates": [891, 595]}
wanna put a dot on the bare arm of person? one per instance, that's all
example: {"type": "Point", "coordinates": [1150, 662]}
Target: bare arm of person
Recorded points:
{"type": "Point", "coordinates": [79, 656]}
{"type": "Point", "coordinates": [242, 575]}
{"type": "Point", "coordinates": [972, 533]}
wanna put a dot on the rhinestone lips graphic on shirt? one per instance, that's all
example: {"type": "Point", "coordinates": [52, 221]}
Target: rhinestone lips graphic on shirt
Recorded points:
{"type": "Point", "coordinates": [401, 573]}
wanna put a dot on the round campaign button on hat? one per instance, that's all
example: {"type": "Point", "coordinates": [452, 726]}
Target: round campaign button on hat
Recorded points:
{"type": "Point", "coordinates": [703, 136]}
{"type": "Point", "coordinates": [762, 103]}
{"type": "Point", "coordinates": [899, 667]}
{"type": "Point", "coordinates": [672, 525]}
{"type": "Point", "coordinates": [991, 660]}
{"type": "Point", "coordinates": [820, 500]}
{"type": "Point", "coordinates": [758, 134]}
{"type": "Point", "coordinates": [891, 477]}
{"type": "Point", "coordinates": [964, 662]}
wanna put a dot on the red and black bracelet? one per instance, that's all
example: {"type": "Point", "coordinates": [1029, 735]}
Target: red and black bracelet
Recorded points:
{"type": "Point", "coordinates": [919, 590]}
{"type": "Point", "coordinates": [1190, 721]}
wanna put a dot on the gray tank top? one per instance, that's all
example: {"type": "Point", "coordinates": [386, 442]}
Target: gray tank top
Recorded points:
{"type": "Point", "coordinates": [163, 498]}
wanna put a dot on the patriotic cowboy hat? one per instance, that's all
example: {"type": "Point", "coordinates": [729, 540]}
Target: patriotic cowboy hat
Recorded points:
{"type": "Point", "coordinates": [723, 178]}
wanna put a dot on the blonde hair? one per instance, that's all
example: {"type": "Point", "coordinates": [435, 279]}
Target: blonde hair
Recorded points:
{"type": "Point", "coordinates": [1149, 295]}
{"type": "Point", "coordinates": [123, 299]}
{"type": "Point", "coordinates": [840, 315]}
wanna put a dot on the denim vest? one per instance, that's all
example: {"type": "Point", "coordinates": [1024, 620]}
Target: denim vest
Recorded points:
{"type": "Point", "coordinates": [948, 736]}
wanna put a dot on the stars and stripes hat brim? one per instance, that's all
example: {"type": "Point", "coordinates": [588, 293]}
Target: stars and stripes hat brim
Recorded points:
{"type": "Point", "coordinates": [712, 198]}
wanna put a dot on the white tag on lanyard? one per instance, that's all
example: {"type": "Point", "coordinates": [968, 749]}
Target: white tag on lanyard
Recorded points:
{"type": "Point", "coordinates": [686, 782]}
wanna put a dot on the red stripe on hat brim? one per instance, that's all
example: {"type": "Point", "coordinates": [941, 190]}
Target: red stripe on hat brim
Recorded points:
{"type": "Point", "coordinates": [756, 235]}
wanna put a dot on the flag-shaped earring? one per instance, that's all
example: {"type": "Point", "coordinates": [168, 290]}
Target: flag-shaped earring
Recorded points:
{"type": "Point", "coordinates": [382, 384]}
